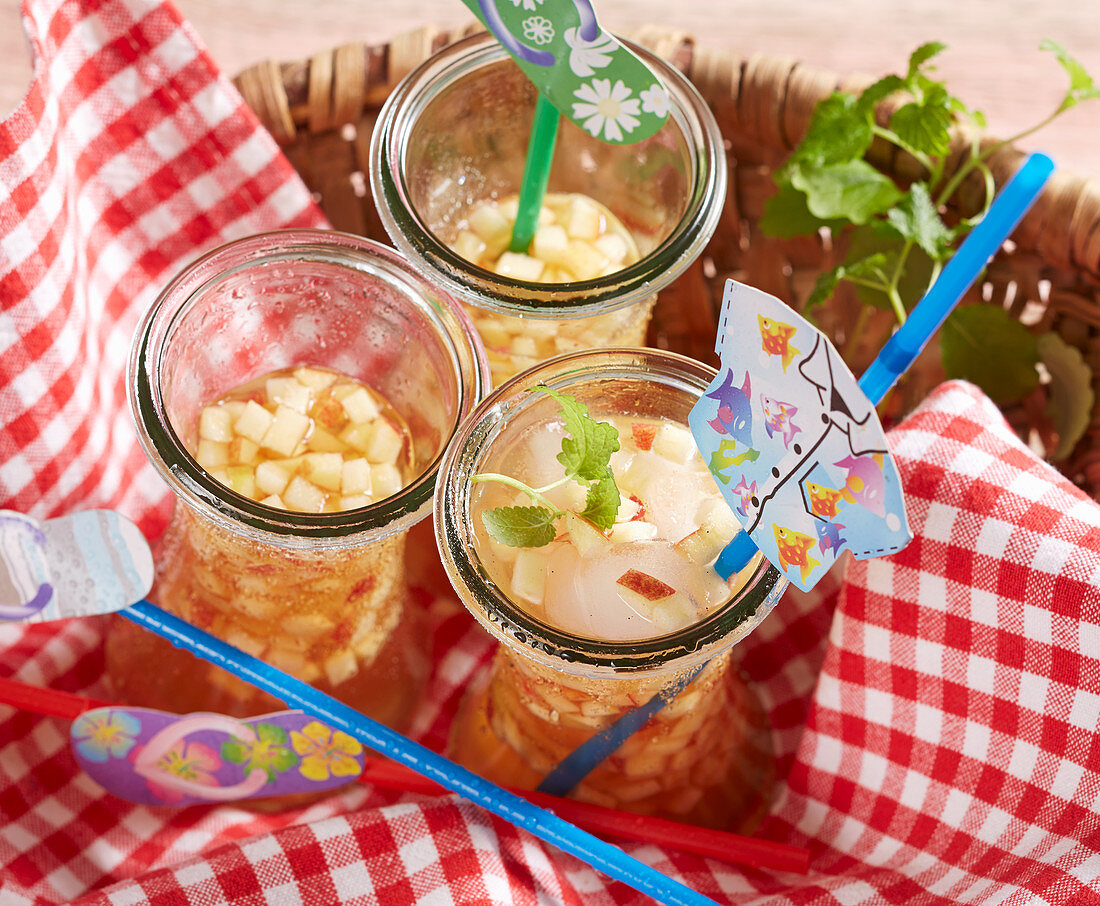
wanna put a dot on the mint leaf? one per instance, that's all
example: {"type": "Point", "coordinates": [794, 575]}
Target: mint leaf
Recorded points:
{"type": "Point", "coordinates": [839, 131]}
{"type": "Point", "coordinates": [587, 451]}
{"type": "Point", "coordinates": [915, 218]}
{"type": "Point", "coordinates": [922, 55]}
{"type": "Point", "coordinates": [602, 503]}
{"type": "Point", "coordinates": [824, 288]}
{"type": "Point", "coordinates": [880, 245]}
{"type": "Point", "coordinates": [879, 91]}
{"type": "Point", "coordinates": [1069, 395]}
{"type": "Point", "coordinates": [1081, 84]}
{"type": "Point", "coordinates": [924, 126]}
{"type": "Point", "coordinates": [986, 345]}
{"type": "Point", "coordinates": [786, 215]}
{"type": "Point", "coordinates": [854, 190]}
{"type": "Point", "coordinates": [521, 526]}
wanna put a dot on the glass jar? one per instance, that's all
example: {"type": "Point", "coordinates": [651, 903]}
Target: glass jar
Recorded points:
{"type": "Point", "coordinates": [454, 133]}
{"type": "Point", "coordinates": [705, 757]}
{"type": "Point", "coordinates": [322, 596]}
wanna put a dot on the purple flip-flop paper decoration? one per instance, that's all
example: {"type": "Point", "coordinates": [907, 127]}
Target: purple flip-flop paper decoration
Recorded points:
{"type": "Point", "coordinates": [87, 563]}
{"type": "Point", "coordinates": [156, 758]}
{"type": "Point", "coordinates": [793, 443]}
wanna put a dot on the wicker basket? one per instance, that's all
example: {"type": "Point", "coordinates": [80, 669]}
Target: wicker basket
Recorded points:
{"type": "Point", "coordinates": [322, 111]}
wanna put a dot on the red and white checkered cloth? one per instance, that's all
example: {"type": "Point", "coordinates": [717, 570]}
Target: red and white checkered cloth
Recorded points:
{"type": "Point", "coordinates": [936, 716]}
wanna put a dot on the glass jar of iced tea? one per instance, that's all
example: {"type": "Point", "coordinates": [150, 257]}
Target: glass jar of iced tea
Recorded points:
{"type": "Point", "coordinates": [618, 223]}
{"type": "Point", "coordinates": [599, 618]}
{"type": "Point", "coordinates": [296, 391]}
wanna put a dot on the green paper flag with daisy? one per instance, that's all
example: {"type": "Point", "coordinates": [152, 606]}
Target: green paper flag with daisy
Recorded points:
{"type": "Point", "coordinates": [584, 71]}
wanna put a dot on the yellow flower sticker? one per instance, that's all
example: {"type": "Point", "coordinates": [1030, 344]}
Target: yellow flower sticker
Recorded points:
{"type": "Point", "coordinates": [326, 752]}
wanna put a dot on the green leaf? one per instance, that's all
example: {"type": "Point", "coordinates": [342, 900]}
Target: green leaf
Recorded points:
{"type": "Point", "coordinates": [922, 55]}
{"type": "Point", "coordinates": [915, 218]}
{"type": "Point", "coordinates": [924, 126]}
{"type": "Point", "coordinates": [824, 288]}
{"type": "Point", "coordinates": [587, 451]}
{"type": "Point", "coordinates": [520, 526]}
{"type": "Point", "coordinates": [839, 131]}
{"type": "Point", "coordinates": [1082, 87]}
{"type": "Point", "coordinates": [234, 751]}
{"type": "Point", "coordinates": [854, 190]}
{"type": "Point", "coordinates": [786, 215]}
{"type": "Point", "coordinates": [986, 345]}
{"type": "Point", "coordinates": [879, 91]}
{"type": "Point", "coordinates": [880, 244]}
{"type": "Point", "coordinates": [602, 503]}
{"type": "Point", "coordinates": [1070, 391]}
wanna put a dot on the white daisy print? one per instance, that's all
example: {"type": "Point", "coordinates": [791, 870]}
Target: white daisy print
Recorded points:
{"type": "Point", "coordinates": [585, 57]}
{"type": "Point", "coordinates": [606, 108]}
{"type": "Point", "coordinates": [655, 100]}
{"type": "Point", "coordinates": [538, 29]}
{"type": "Point", "coordinates": [530, 5]}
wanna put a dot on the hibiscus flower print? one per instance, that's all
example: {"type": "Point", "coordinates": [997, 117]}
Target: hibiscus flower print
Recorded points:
{"type": "Point", "coordinates": [100, 734]}
{"type": "Point", "coordinates": [325, 752]}
{"type": "Point", "coordinates": [268, 752]}
{"type": "Point", "coordinates": [538, 29]}
{"type": "Point", "coordinates": [606, 108]}
{"type": "Point", "coordinates": [655, 100]}
{"type": "Point", "coordinates": [190, 761]}
{"type": "Point", "coordinates": [530, 5]}
{"type": "Point", "coordinates": [585, 57]}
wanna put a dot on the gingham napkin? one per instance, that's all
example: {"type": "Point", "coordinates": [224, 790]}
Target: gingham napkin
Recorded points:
{"type": "Point", "coordinates": [935, 716]}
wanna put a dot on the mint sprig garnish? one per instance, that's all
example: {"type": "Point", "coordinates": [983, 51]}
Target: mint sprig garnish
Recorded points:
{"type": "Point", "coordinates": [586, 456]}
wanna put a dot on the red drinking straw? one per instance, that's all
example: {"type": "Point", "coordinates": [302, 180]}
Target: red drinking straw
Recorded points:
{"type": "Point", "coordinates": [729, 847]}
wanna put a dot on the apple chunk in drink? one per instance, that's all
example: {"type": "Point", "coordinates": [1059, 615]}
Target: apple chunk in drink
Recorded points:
{"type": "Point", "coordinates": [584, 545]}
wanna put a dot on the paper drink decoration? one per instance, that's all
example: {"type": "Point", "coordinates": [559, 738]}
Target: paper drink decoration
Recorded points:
{"type": "Point", "coordinates": [156, 758]}
{"type": "Point", "coordinates": [794, 444]}
{"type": "Point", "coordinates": [581, 69]}
{"type": "Point", "coordinates": [87, 563]}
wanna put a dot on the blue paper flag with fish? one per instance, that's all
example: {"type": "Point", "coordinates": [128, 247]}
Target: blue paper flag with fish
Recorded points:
{"type": "Point", "coordinates": [794, 444]}
{"type": "Point", "coordinates": [584, 71]}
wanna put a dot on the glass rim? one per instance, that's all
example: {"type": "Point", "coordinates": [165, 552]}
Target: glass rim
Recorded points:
{"type": "Point", "coordinates": [583, 298]}
{"type": "Point", "coordinates": [193, 485]}
{"type": "Point", "coordinates": [506, 620]}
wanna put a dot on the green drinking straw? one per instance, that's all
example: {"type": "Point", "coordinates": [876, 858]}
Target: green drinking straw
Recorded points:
{"type": "Point", "coordinates": [536, 173]}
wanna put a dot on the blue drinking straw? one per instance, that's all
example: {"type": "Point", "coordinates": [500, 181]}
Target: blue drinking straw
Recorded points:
{"type": "Point", "coordinates": [905, 345]}
{"type": "Point", "coordinates": [605, 857]}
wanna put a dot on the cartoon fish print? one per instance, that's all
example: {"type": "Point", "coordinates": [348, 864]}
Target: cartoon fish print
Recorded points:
{"type": "Point", "coordinates": [776, 339]}
{"type": "Point", "coordinates": [794, 550]}
{"type": "Point", "coordinates": [734, 409]}
{"type": "Point", "coordinates": [825, 501]}
{"type": "Point", "coordinates": [725, 458]}
{"type": "Point", "coordinates": [828, 536]}
{"type": "Point", "coordinates": [746, 492]}
{"type": "Point", "coordinates": [865, 481]}
{"type": "Point", "coordinates": [779, 419]}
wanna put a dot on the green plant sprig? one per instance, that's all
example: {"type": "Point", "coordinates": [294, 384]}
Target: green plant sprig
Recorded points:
{"type": "Point", "coordinates": [899, 239]}
{"type": "Point", "coordinates": [586, 456]}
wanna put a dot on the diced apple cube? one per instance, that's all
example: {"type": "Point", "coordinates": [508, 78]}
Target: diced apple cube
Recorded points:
{"type": "Point", "coordinates": [314, 378]}
{"type": "Point", "coordinates": [355, 477]}
{"type": "Point", "coordinates": [385, 479]}
{"type": "Point", "coordinates": [329, 413]}
{"type": "Point", "coordinates": [674, 612]}
{"type": "Point", "coordinates": [519, 266]}
{"type": "Point", "coordinates": [360, 405]}
{"type": "Point", "coordinates": [323, 469]}
{"type": "Point", "coordinates": [584, 260]}
{"type": "Point", "coordinates": [355, 501]}
{"type": "Point", "coordinates": [234, 408]}
{"type": "Point", "coordinates": [289, 392]}
{"type": "Point", "coordinates": [304, 497]}
{"type": "Point", "coordinates": [612, 246]}
{"type": "Point", "coordinates": [643, 434]}
{"type": "Point", "coordinates": [525, 346]}
{"type": "Point", "coordinates": [242, 450]}
{"type": "Point", "coordinates": [718, 528]}
{"type": "Point", "coordinates": [469, 245]}
{"type": "Point", "coordinates": [489, 222]}
{"type": "Point", "coordinates": [638, 530]}
{"type": "Point", "coordinates": [242, 479]}
{"type": "Point", "coordinates": [585, 537]}
{"type": "Point", "coordinates": [529, 574]}
{"type": "Point", "coordinates": [254, 422]}
{"type": "Point", "coordinates": [628, 509]}
{"type": "Point", "coordinates": [493, 333]}
{"type": "Point", "coordinates": [275, 501]}
{"type": "Point", "coordinates": [582, 221]}
{"type": "Point", "coordinates": [341, 667]}
{"type": "Point", "coordinates": [286, 431]}
{"type": "Point", "coordinates": [384, 442]}
{"type": "Point", "coordinates": [321, 441]}
{"type": "Point", "coordinates": [216, 423]}
{"type": "Point", "coordinates": [509, 209]}
{"type": "Point", "coordinates": [674, 442]}
{"type": "Point", "coordinates": [306, 626]}
{"type": "Point", "coordinates": [550, 244]}
{"type": "Point", "coordinates": [211, 454]}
